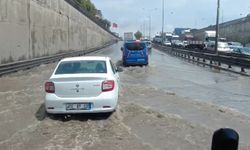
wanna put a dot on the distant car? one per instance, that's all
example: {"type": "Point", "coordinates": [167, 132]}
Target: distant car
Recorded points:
{"type": "Point", "coordinates": [185, 43]}
{"type": "Point", "coordinates": [148, 43]}
{"type": "Point", "coordinates": [167, 43]}
{"type": "Point", "coordinates": [243, 50]}
{"type": "Point", "coordinates": [235, 45]}
{"type": "Point", "coordinates": [82, 85]}
{"type": "Point", "coordinates": [222, 47]}
{"type": "Point", "coordinates": [247, 45]}
{"type": "Point", "coordinates": [177, 43]}
{"type": "Point", "coordinates": [157, 39]}
{"type": "Point", "coordinates": [134, 53]}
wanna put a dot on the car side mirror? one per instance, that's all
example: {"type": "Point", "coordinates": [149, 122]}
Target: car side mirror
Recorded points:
{"type": "Point", "coordinates": [119, 69]}
{"type": "Point", "coordinates": [121, 48]}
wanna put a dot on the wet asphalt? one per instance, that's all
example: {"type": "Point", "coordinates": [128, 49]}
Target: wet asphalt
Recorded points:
{"type": "Point", "coordinates": [192, 80]}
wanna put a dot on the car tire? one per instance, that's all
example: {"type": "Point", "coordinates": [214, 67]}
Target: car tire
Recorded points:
{"type": "Point", "coordinates": [107, 114]}
{"type": "Point", "coordinates": [125, 65]}
{"type": "Point", "coordinates": [50, 115]}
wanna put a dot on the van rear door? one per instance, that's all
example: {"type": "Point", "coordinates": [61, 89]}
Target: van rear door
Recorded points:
{"type": "Point", "coordinates": [136, 50]}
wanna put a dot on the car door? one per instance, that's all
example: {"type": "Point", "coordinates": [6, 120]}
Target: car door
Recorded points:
{"type": "Point", "coordinates": [115, 73]}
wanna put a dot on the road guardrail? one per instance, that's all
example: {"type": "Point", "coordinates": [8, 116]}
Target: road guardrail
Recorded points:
{"type": "Point", "coordinates": [211, 59]}
{"type": "Point", "coordinates": [27, 64]}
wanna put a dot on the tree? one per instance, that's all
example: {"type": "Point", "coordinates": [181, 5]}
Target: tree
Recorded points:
{"type": "Point", "coordinates": [106, 23]}
{"type": "Point", "coordinates": [91, 10]}
{"type": "Point", "coordinates": [138, 35]}
{"type": "Point", "coordinates": [88, 6]}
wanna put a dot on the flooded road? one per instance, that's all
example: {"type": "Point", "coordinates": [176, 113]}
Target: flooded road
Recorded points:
{"type": "Point", "coordinates": [171, 104]}
{"type": "Point", "coordinates": [204, 94]}
{"type": "Point", "coordinates": [194, 81]}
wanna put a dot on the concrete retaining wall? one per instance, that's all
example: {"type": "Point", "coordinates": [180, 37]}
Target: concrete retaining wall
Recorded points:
{"type": "Point", "coordinates": [235, 30]}
{"type": "Point", "coordinates": [35, 28]}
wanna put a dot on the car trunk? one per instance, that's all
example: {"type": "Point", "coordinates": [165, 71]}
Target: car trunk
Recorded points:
{"type": "Point", "coordinates": [75, 87]}
{"type": "Point", "coordinates": [135, 54]}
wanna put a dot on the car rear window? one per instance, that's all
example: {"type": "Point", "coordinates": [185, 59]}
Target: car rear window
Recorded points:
{"type": "Point", "coordinates": [77, 67]}
{"type": "Point", "coordinates": [246, 49]}
{"type": "Point", "coordinates": [135, 46]}
{"type": "Point", "coordinates": [223, 45]}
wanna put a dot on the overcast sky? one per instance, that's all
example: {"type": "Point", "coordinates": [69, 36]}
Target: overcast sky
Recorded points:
{"type": "Point", "coordinates": [130, 15]}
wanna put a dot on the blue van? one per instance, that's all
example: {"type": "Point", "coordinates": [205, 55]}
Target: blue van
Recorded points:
{"type": "Point", "coordinates": [135, 53]}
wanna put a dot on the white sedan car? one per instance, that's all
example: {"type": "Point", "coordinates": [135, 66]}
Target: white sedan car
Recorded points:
{"type": "Point", "coordinates": [82, 85]}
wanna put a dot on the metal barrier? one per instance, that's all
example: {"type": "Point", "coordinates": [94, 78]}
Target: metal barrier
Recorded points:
{"type": "Point", "coordinates": [27, 64]}
{"type": "Point", "coordinates": [220, 53]}
{"type": "Point", "coordinates": [214, 60]}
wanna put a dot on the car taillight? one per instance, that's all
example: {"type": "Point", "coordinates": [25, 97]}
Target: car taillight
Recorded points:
{"type": "Point", "coordinates": [108, 85]}
{"type": "Point", "coordinates": [49, 87]}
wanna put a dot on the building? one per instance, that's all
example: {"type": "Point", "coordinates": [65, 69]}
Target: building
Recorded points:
{"type": "Point", "coordinates": [180, 31]}
{"type": "Point", "coordinates": [237, 30]}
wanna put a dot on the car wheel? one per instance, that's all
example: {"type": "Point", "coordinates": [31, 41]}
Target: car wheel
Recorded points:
{"type": "Point", "coordinates": [107, 114]}
{"type": "Point", "coordinates": [125, 65]}
{"type": "Point", "coordinates": [50, 115]}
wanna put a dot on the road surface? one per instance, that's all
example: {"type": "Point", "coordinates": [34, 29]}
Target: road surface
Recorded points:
{"type": "Point", "coordinates": [171, 104]}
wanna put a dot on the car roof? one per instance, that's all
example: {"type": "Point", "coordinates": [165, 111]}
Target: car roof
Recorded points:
{"type": "Point", "coordinates": [131, 42]}
{"type": "Point", "coordinates": [222, 42]}
{"type": "Point", "coordinates": [101, 58]}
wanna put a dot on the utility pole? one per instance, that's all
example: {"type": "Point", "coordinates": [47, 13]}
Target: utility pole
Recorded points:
{"type": "Point", "coordinates": [217, 27]}
{"type": "Point", "coordinates": [144, 29]}
{"type": "Point", "coordinates": [163, 23]}
{"type": "Point", "coordinates": [149, 30]}
{"type": "Point", "coordinates": [150, 20]}
{"type": "Point", "coordinates": [222, 16]}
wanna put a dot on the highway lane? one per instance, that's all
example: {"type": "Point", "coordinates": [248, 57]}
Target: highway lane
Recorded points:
{"type": "Point", "coordinates": [193, 81]}
{"type": "Point", "coordinates": [204, 94]}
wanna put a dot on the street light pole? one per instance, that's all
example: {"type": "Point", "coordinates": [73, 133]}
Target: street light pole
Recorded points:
{"type": "Point", "coordinates": [150, 20]}
{"type": "Point", "coordinates": [149, 27]}
{"type": "Point", "coordinates": [163, 13]}
{"type": "Point", "coordinates": [217, 27]}
{"type": "Point", "coordinates": [144, 29]}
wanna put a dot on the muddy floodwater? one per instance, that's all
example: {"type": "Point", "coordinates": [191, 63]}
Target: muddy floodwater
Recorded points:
{"type": "Point", "coordinates": [171, 104]}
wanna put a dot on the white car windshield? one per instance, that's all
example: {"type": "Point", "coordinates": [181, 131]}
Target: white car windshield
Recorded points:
{"type": "Point", "coordinates": [76, 67]}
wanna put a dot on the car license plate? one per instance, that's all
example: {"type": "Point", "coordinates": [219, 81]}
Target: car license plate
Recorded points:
{"type": "Point", "coordinates": [81, 106]}
{"type": "Point", "coordinates": [140, 60]}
